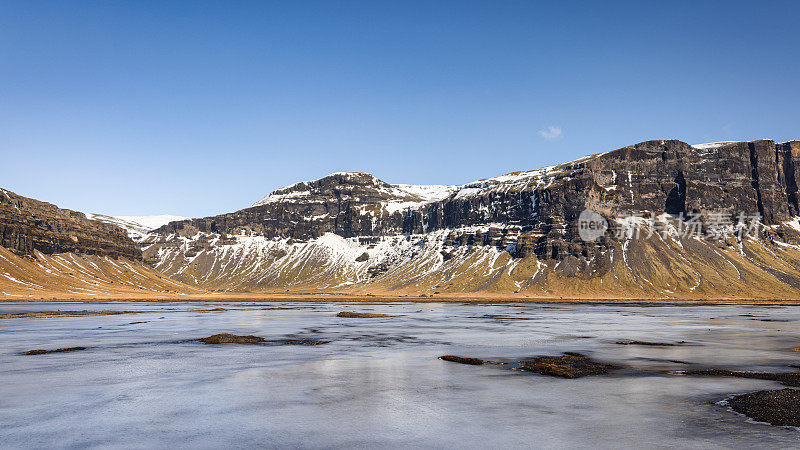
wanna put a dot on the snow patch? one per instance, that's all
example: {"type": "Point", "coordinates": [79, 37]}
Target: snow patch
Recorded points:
{"type": "Point", "coordinates": [152, 222]}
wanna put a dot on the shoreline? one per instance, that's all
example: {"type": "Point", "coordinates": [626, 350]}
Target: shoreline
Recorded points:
{"type": "Point", "coordinates": [376, 298]}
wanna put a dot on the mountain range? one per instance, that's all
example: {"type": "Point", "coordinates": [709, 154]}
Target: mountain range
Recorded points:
{"type": "Point", "coordinates": [515, 235]}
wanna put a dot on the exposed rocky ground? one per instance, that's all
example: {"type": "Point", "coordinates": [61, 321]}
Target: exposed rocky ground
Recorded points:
{"type": "Point", "coordinates": [569, 365]}
{"type": "Point", "coordinates": [58, 350]}
{"type": "Point", "coordinates": [785, 378]}
{"type": "Point", "coordinates": [227, 338]}
{"type": "Point", "coordinates": [651, 344]}
{"type": "Point", "coordinates": [777, 407]}
{"type": "Point", "coordinates": [359, 315]}
{"type": "Point", "coordinates": [305, 342]}
{"type": "Point", "coordinates": [462, 360]}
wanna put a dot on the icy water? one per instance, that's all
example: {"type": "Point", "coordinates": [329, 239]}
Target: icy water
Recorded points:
{"type": "Point", "coordinates": [379, 383]}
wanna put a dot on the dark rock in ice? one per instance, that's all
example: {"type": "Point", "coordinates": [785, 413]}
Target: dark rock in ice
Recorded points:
{"type": "Point", "coordinates": [305, 342]}
{"type": "Point", "coordinates": [60, 350]}
{"type": "Point", "coordinates": [461, 360]}
{"type": "Point", "coordinates": [358, 315]}
{"type": "Point", "coordinates": [779, 407]}
{"type": "Point", "coordinates": [785, 378]}
{"type": "Point", "coordinates": [499, 317]}
{"type": "Point", "coordinates": [227, 338]}
{"type": "Point", "coordinates": [651, 344]}
{"type": "Point", "coordinates": [568, 365]}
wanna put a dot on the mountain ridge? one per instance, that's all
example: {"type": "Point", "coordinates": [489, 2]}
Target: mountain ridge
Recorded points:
{"type": "Point", "coordinates": [512, 233]}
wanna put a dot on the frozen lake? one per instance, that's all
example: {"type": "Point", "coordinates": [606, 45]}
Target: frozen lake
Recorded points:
{"type": "Point", "coordinates": [379, 382]}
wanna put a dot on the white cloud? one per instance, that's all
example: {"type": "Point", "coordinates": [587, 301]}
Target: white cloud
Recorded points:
{"type": "Point", "coordinates": [550, 133]}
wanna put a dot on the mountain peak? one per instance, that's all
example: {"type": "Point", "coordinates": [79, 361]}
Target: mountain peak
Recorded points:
{"type": "Point", "coordinates": [359, 184]}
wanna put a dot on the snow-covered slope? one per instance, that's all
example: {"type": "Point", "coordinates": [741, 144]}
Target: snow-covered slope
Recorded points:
{"type": "Point", "coordinates": [137, 226]}
{"type": "Point", "coordinates": [435, 263]}
{"type": "Point", "coordinates": [152, 222]}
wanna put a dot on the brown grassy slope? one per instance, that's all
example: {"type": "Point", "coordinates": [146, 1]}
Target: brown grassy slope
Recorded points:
{"type": "Point", "coordinates": [641, 270]}
{"type": "Point", "coordinates": [77, 276]}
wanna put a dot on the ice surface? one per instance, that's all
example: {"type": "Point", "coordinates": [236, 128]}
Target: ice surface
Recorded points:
{"type": "Point", "coordinates": [379, 383]}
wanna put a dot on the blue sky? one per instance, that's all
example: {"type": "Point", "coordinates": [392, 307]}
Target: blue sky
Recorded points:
{"type": "Point", "coordinates": [197, 108]}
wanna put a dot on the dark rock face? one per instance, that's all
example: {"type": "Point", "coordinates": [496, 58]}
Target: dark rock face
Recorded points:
{"type": "Point", "coordinates": [27, 225]}
{"type": "Point", "coordinates": [535, 212]}
{"type": "Point", "coordinates": [348, 204]}
{"type": "Point", "coordinates": [667, 177]}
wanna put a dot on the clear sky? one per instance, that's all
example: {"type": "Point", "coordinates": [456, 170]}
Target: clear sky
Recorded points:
{"type": "Point", "coordinates": [198, 108]}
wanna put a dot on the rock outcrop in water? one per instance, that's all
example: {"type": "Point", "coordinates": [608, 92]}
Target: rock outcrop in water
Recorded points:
{"type": "Point", "coordinates": [227, 338]}
{"type": "Point", "coordinates": [462, 360]}
{"type": "Point", "coordinates": [777, 407]}
{"type": "Point", "coordinates": [569, 365]}
{"type": "Point", "coordinates": [359, 315]}
{"type": "Point", "coordinates": [58, 350]}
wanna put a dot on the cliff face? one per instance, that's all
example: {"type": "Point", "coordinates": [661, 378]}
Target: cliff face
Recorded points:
{"type": "Point", "coordinates": [28, 225]}
{"type": "Point", "coordinates": [348, 204]}
{"type": "Point", "coordinates": [756, 177]}
{"type": "Point", "coordinates": [516, 232]}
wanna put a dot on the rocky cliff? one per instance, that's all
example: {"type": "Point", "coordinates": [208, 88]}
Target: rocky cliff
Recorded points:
{"type": "Point", "coordinates": [28, 225]}
{"type": "Point", "coordinates": [517, 232]}
{"type": "Point", "coordinates": [348, 204]}
{"type": "Point", "coordinates": [51, 253]}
